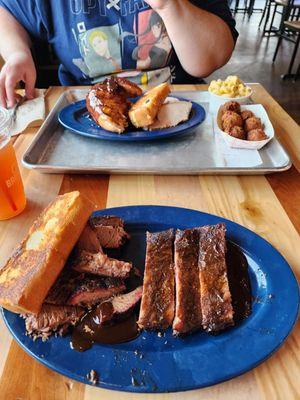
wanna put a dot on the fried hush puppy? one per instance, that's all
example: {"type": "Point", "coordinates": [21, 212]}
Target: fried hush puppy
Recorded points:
{"type": "Point", "coordinates": [237, 132]}
{"type": "Point", "coordinates": [231, 106]}
{"type": "Point", "coordinates": [256, 134]}
{"type": "Point", "coordinates": [231, 119]}
{"type": "Point", "coordinates": [246, 114]}
{"type": "Point", "coordinates": [252, 123]}
{"type": "Point", "coordinates": [241, 124]}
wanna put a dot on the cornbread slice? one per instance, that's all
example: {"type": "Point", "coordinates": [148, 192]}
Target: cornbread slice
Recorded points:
{"type": "Point", "coordinates": [36, 263]}
{"type": "Point", "coordinates": [145, 110]}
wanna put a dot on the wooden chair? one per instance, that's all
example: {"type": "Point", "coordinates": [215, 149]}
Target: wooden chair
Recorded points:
{"type": "Point", "coordinates": [279, 7]}
{"type": "Point", "coordinates": [290, 26]}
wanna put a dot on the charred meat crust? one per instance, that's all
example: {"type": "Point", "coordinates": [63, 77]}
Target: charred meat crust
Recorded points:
{"type": "Point", "coordinates": [110, 231]}
{"type": "Point", "coordinates": [101, 264]}
{"type": "Point", "coordinates": [217, 311]}
{"type": "Point", "coordinates": [93, 290]}
{"type": "Point", "coordinates": [108, 101]}
{"type": "Point", "coordinates": [88, 240]}
{"type": "Point", "coordinates": [188, 316]}
{"type": "Point", "coordinates": [63, 287]}
{"type": "Point", "coordinates": [117, 306]}
{"type": "Point", "coordinates": [157, 307]}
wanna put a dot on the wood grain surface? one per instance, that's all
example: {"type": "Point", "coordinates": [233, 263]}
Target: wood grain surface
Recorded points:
{"type": "Point", "coordinates": [267, 205]}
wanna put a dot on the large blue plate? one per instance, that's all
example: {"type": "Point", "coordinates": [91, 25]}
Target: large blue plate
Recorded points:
{"type": "Point", "coordinates": [159, 364]}
{"type": "Point", "coordinates": [76, 118]}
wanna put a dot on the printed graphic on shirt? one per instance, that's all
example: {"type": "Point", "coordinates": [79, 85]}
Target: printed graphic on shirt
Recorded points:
{"type": "Point", "coordinates": [100, 50]}
{"type": "Point", "coordinates": [153, 43]}
{"type": "Point", "coordinates": [104, 7]}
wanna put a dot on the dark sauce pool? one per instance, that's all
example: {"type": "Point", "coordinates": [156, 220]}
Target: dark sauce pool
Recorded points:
{"type": "Point", "coordinates": [118, 332]}
{"type": "Point", "coordinates": [90, 331]}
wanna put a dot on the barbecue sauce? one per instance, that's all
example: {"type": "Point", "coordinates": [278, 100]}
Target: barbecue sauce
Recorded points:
{"type": "Point", "coordinates": [239, 282]}
{"type": "Point", "coordinates": [97, 327]}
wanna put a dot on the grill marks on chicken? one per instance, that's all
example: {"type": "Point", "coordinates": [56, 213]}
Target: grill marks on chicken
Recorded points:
{"type": "Point", "coordinates": [157, 307]}
{"type": "Point", "coordinates": [52, 319]}
{"type": "Point", "coordinates": [217, 311]}
{"type": "Point", "coordinates": [108, 104]}
{"type": "Point", "coordinates": [188, 316]}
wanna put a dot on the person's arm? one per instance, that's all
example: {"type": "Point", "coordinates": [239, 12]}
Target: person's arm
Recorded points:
{"type": "Point", "coordinates": [19, 65]}
{"type": "Point", "coordinates": [203, 42]}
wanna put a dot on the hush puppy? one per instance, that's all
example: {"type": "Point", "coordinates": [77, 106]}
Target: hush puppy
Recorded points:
{"type": "Point", "coordinates": [237, 132]}
{"type": "Point", "coordinates": [246, 114]}
{"type": "Point", "coordinates": [231, 106]}
{"type": "Point", "coordinates": [256, 134]}
{"type": "Point", "coordinates": [252, 123]}
{"type": "Point", "coordinates": [231, 119]}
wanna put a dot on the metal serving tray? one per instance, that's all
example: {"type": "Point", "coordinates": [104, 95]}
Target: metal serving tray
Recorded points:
{"type": "Point", "coordinates": [57, 150]}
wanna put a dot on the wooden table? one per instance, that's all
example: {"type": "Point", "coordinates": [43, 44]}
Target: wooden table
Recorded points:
{"type": "Point", "coordinates": [269, 205]}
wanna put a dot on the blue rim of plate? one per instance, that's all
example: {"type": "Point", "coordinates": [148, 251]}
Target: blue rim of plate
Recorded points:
{"type": "Point", "coordinates": [76, 118]}
{"type": "Point", "coordinates": [198, 360]}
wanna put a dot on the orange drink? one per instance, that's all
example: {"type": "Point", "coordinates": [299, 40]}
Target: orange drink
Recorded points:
{"type": "Point", "coordinates": [12, 197]}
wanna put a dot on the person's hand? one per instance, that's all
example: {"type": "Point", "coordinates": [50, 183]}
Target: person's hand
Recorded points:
{"type": "Point", "coordinates": [18, 67]}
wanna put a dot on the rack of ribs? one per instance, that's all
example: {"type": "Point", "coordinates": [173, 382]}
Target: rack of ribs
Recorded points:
{"type": "Point", "coordinates": [217, 311]}
{"type": "Point", "coordinates": [157, 307]}
{"type": "Point", "coordinates": [188, 316]}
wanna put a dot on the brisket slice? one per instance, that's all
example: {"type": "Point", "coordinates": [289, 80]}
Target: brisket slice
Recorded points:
{"type": "Point", "coordinates": [65, 284]}
{"type": "Point", "coordinates": [106, 313]}
{"type": "Point", "coordinates": [117, 306]}
{"type": "Point", "coordinates": [88, 240]}
{"type": "Point", "coordinates": [188, 316]}
{"type": "Point", "coordinates": [101, 264]}
{"type": "Point", "coordinates": [93, 290]}
{"type": "Point", "coordinates": [125, 302]}
{"type": "Point", "coordinates": [52, 319]}
{"type": "Point", "coordinates": [110, 231]}
{"type": "Point", "coordinates": [217, 312]}
{"type": "Point", "coordinates": [157, 307]}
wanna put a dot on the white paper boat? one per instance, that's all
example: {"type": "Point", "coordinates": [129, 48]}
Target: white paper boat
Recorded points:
{"type": "Point", "coordinates": [260, 112]}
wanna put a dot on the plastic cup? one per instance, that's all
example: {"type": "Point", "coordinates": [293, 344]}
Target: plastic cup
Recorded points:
{"type": "Point", "coordinates": [12, 196]}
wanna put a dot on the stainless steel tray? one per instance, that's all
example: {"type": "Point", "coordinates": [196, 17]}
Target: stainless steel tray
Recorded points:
{"type": "Point", "coordinates": [58, 150]}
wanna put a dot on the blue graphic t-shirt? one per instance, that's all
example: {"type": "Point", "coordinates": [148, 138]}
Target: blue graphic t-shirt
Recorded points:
{"type": "Point", "coordinates": [97, 38]}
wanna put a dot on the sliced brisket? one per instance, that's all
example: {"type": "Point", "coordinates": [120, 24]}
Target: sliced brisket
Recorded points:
{"type": "Point", "coordinates": [88, 240]}
{"type": "Point", "coordinates": [110, 231]}
{"type": "Point", "coordinates": [52, 319]}
{"type": "Point", "coordinates": [157, 307]}
{"type": "Point", "coordinates": [125, 302]}
{"type": "Point", "coordinates": [93, 290]}
{"type": "Point", "coordinates": [188, 316]}
{"type": "Point", "coordinates": [217, 312]}
{"type": "Point", "coordinates": [65, 284]}
{"type": "Point", "coordinates": [101, 264]}
{"type": "Point", "coordinates": [109, 310]}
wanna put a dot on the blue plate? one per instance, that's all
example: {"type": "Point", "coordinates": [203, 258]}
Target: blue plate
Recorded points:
{"type": "Point", "coordinates": [161, 364]}
{"type": "Point", "coordinates": [76, 118]}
